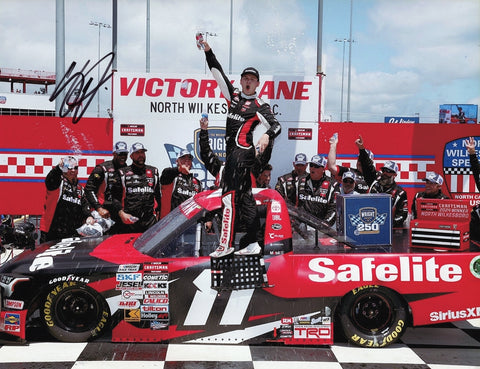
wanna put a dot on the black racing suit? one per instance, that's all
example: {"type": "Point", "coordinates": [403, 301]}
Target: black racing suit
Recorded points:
{"type": "Point", "coordinates": [184, 185]}
{"type": "Point", "coordinates": [141, 190]}
{"type": "Point", "coordinates": [318, 197]}
{"type": "Point", "coordinates": [66, 207]}
{"type": "Point", "coordinates": [245, 113]}
{"type": "Point", "coordinates": [287, 186]}
{"type": "Point", "coordinates": [399, 196]}
{"type": "Point", "coordinates": [475, 166]}
{"type": "Point", "coordinates": [103, 186]}
{"type": "Point", "coordinates": [216, 168]}
{"type": "Point", "coordinates": [475, 219]}
{"type": "Point", "coordinates": [361, 185]}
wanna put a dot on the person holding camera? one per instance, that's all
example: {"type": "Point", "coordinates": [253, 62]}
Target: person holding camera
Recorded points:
{"type": "Point", "coordinates": [66, 207]}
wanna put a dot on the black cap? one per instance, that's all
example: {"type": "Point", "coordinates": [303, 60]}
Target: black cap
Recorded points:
{"type": "Point", "coordinates": [251, 70]}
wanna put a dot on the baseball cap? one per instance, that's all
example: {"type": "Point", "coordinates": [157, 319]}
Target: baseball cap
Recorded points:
{"type": "Point", "coordinates": [137, 146]}
{"type": "Point", "coordinates": [434, 178]}
{"type": "Point", "coordinates": [348, 174]}
{"type": "Point", "coordinates": [120, 147]}
{"type": "Point", "coordinates": [391, 165]}
{"type": "Point", "coordinates": [251, 70]}
{"type": "Point", "coordinates": [184, 152]}
{"type": "Point", "coordinates": [318, 160]}
{"type": "Point", "coordinates": [301, 159]}
{"type": "Point", "coordinates": [69, 162]}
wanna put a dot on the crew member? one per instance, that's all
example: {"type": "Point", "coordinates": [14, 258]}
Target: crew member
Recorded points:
{"type": "Point", "coordinates": [475, 166]}
{"type": "Point", "coordinates": [179, 182]}
{"type": "Point", "coordinates": [66, 207]}
{"type": "Point", "coordinates": [433, 190]}
{"type": "Point", "coordinates": [348, 183]}
{"type": "Point", "coordinates": [245, 112]}
{"type": "Point", "coordinates": [337, 171]}
{"type": "Point", "coordinates": [287, 183]}
{"type": "Point", "coordinates": [262, 179]}
{"type": "Point", "coordinates": [384, 182]}
{"type": "Point", "coordinates": [104, 184]}
{"type": "Point", "coordinates": [141, 201]}
{"type": "Point", "coordinates": [317, 191]}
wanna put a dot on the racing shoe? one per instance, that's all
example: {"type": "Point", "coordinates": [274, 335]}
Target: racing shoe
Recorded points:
{"type": "Point", "coordinates": [252, 249]}
{"type": "Point", "coordinates": [221, 251]}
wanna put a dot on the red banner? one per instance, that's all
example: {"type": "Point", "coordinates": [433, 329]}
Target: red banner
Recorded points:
{"type": "Point", "coordinates": [416, 148]}
{"type": "Point", "coordinates": [31, 146]}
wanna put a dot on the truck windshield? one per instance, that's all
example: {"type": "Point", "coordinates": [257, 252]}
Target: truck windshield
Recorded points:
{"type": "Point", "coordinates": [161, 234]}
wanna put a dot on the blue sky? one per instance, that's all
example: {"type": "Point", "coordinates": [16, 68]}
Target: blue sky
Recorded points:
{"type": "Point", "coordinates": [409, 56]}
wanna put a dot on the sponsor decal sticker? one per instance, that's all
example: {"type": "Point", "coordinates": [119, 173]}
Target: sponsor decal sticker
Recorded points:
{"type": "Point", "coordinates": [404, 269]}
{"type": "Point", "coordinates": [132, 315]}
{"type": "Point", "coordinates": [475, 266]}
{"type": "Point", "coordinates": [312, 332]}
{"type": "Point", "coordinates": [128, 268]}
{"type": "Point", "coordinates": [14, 304]}
{"type": "Point", "coordinates": [128, 304]}
{"type": "Point", "coordinates": [155, 277]}
{"type": "Point", "coordinates": [69, 277]}
{"type": "Point", "coordinates": [134, 294]}
{"type": "Point", "coordinates": [467, 313]}
{"type": "Point", "coordinates": [155, 267]}
{"type": "Point", "coordinates": [154, 309]}
{"type": "Point", "coordinates": [126, 285]}
{"type": "Point", "coordinates": [133, 277]}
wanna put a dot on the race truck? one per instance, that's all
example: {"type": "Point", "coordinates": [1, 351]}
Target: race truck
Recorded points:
{"type": "Point", "coordinates": [162, 285]}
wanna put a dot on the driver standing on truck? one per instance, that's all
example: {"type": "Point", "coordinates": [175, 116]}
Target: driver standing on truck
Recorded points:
{"type": "Point", "coordinates": [245, 112]}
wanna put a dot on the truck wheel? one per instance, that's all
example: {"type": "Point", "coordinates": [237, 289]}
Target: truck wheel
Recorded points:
{"type": "Point", "coordinates": [74, 312]}
{"type": "Point", "coordinates": [373, 316]}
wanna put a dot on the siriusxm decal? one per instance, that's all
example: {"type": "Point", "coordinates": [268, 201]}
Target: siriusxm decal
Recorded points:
{"type": "Point", "coordinates": [367, 221]}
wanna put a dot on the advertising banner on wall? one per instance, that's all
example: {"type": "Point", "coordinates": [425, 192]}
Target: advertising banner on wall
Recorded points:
{"type": "Point", "coordinates": [458, 113]}
{"type": "Point", "coordinates": [31, 146]}
{"type": "Point", "coordinates": [416, 148]}
{"type": "Point", "coordinates": [163, 111]}
{"type": "Point", "coordinates": [401, 120]}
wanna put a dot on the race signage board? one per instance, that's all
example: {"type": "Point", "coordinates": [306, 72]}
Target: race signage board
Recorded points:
{"type": "Point", "coordinates": [163, 111]}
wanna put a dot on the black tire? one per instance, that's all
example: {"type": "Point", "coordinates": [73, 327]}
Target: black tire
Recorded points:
{"type": "Point", "coordinates": [74, 312]}
{"type": "Point", "coordinates": [373, 316]}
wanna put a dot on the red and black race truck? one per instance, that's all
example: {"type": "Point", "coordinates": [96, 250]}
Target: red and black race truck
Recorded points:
{"type": "Point", "coordinates": [162, 286]}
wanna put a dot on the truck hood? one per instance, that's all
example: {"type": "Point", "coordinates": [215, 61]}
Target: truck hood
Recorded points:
{"type": "Point", "coordinates": [79, 255]}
